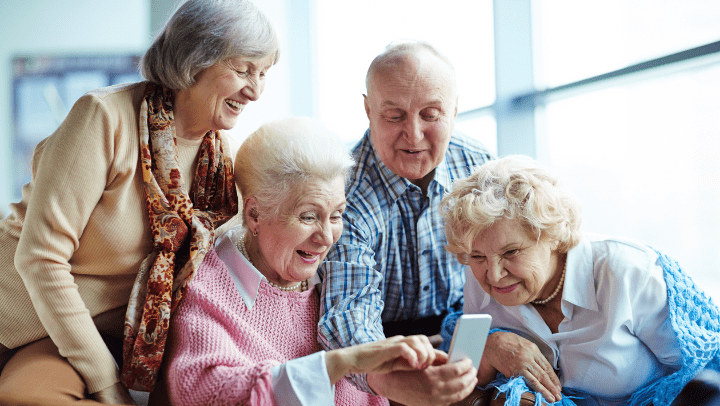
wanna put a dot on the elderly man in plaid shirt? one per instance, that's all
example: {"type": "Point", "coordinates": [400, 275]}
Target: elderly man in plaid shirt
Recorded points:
{"type": "Point", "coordinates": [389, 273]}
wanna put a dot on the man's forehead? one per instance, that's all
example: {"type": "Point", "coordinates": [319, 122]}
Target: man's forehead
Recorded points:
{"type": "Point", "coordinates": [433, 100]}
{"type": "Point", "coordinates": [427, 81]}
{"type": "Point", "coordinates": [399, 93]}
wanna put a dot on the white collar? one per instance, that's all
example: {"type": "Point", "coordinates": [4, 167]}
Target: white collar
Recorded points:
{"type": "Point", "coordinates": [245, 276]}
{"type": "Point", "coordinates": [243, 273]}
{"type": "Point", "coordinates": [580, 277]}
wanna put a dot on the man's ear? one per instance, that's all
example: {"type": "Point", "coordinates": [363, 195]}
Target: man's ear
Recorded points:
{"type": "Point", "coordinates": [367, 105]}
{"type": "Point", "coordinates": [456, 105]}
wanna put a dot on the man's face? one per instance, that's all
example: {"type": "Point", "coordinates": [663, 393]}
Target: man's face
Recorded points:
{"type": "Point", "coordinates": [411, 106]}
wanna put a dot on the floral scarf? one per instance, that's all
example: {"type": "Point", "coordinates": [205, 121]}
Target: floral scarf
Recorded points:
{"type": "Point", "coordinates": [182, 226]}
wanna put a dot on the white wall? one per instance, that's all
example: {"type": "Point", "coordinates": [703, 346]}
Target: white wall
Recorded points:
{"type": "Point", "coordinates": [60, 28]}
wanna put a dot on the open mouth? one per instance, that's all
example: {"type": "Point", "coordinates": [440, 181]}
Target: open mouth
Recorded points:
{"type": "Point", "coordinates": [233, 104]}
{"type": "Point", "coordinates": [308, 256]}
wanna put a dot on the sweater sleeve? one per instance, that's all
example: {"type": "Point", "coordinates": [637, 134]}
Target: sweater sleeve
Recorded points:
{"type": "Point", "coordinates": [209, 362]}
{"type": "Point", "coordinates": [71, 170]}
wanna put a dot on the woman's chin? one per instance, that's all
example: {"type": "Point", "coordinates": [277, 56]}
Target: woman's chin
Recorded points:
{"type": "Point", "coordinates": [305, 273]}
{"type": "Point", "coordinates": [508, 299]}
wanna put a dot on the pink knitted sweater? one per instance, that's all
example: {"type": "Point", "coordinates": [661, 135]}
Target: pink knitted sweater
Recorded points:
{"type": "Point", "coordinates": [221, 352]}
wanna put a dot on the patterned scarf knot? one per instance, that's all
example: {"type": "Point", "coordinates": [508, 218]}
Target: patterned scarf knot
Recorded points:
{"type": "Point", "coordinates": [182, 226]}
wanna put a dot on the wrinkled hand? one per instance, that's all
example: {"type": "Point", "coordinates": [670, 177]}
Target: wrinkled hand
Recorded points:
{"type": "Point", "coordinates": [393, 354]}
{"type": "Point", "coordinates": [439, 384]}
{"type": "Point", "coordinates": [513, 355]}
{"type": "Point", "coordinates": [114, 395]}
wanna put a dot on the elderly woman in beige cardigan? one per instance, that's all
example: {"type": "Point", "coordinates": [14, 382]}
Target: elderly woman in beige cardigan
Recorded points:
{"type": "Point", "coordinates": [124, 200]}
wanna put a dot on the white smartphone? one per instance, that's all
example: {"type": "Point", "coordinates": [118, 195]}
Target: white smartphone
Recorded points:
{"type": "Point", "coordinates": [468, 341]}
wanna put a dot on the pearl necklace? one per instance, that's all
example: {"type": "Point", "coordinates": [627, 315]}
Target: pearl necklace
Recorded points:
{"type": "Point", "coordinates": [303, 286]}
{"type": "Point", "coordinates": [240, 244]}
{"type": "Point", "coordinates": [557, 289]}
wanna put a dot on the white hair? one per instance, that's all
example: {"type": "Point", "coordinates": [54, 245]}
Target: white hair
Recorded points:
{"type": "Point", "coordinates": [284, 153]}
{"type": "Point", "coordinates": [202, 33]}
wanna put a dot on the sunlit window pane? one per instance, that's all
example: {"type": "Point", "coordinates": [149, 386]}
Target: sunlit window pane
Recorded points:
{"type": "Point", "coordinates": [351, 34]}
{"type": "Point", "coordinates": [644, 159]}
{"type": "Point", "coordinates": [578, 39]}
{"type": "Point", "coordinates": [483, 129]}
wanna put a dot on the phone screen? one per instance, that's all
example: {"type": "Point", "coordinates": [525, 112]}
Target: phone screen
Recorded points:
{"type": "Point", "coordinates": [471, 331]}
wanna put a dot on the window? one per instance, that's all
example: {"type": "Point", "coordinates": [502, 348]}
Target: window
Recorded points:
{"type": "Point", "coordinates": [575, 40]}
{"type": "Point", "coordinates": [644, 160]}
{"type": "Point", "coordinates": [642, 152]}
{"type": "Point", "coordinates": [45, 88]}
{"type": "Point", "coordinates": [350, 34]}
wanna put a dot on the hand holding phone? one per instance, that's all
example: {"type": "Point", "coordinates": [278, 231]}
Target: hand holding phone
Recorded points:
{"type": "Point", "coordinates": [468, 341]}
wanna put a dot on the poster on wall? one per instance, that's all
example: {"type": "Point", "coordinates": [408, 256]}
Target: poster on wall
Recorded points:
{"type": "Point", "coordinates": [45, 87]}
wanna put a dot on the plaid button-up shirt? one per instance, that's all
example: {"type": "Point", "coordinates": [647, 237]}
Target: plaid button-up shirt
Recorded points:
{"type": "Point", "coordinates": [390, 263]}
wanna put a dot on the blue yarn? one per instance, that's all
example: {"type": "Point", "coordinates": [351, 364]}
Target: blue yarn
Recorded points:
{"type": "Point", "coordinates": [514, 387]}
{"type": "Point", "coordinates": [447, 328]}
{"type": "Point", "coordinates": [695, 320]}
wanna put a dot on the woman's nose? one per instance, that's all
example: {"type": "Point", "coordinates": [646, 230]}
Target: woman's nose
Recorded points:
{"type": "Point", "coordinates": [324, 235]}
{"type": "Point", "coordinates": [253, 89]}
{"type": "Point", "coordinates": [495, 271]}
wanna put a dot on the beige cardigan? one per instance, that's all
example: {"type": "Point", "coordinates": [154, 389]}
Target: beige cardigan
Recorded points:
{"type": "Point", "coordinates": [79, 234]}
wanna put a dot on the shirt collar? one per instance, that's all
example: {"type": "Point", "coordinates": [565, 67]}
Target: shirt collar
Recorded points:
{"type": "Point", "coordinates": [580, 277]}
{"type": "Point", "coordinates": [397, 185]}
{"type": "Point", "coordinates": [243, 273]}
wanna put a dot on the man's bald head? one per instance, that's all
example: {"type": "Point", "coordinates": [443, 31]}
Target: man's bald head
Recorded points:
{"type": "Point", "coordinates": [408, 53]}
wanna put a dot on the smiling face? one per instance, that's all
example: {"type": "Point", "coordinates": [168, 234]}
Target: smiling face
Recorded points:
{"type": "Point", "coordinates": [292, 245]}
{"type": "Point", "coordinates": [220, 93]}
{"type": "Point", "coordinates": [411, 105]}
{"type": "Point", "coordinates": [513, 267]}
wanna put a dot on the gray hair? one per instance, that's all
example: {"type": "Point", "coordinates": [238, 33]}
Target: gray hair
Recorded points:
{"type": "Point", "coordinates": [284, 153]}
{"type": "Point", "coordinates": [396, 50]}
{"type": "Point", "coordinates": [203, 32]}
{"type": "Point", "coordinates": [514, 187]}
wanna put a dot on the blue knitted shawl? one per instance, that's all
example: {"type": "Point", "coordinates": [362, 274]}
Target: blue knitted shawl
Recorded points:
{"type": "Point", "coordinates": [696, 322]}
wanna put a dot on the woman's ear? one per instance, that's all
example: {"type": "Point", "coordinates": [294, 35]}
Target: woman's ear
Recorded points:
{"type": "Point", "coordinates": [250, 213]}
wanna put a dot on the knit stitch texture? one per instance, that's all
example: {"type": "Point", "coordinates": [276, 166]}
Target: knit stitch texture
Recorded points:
{"type": "Point", "coordinates": [221, 352]}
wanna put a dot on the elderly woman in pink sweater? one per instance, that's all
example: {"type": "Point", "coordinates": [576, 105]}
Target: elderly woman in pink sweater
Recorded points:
{"type": "Point", "coordinates": [246, 332]}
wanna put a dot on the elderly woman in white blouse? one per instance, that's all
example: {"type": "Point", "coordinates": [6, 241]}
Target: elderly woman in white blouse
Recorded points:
{"type": "Point", "coordinates": [605, 312]}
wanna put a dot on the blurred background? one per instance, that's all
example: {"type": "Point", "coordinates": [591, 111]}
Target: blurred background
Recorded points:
{"type": "Point", "coordinates": [620, 98]}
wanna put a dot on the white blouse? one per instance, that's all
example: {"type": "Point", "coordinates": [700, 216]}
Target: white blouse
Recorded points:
{"type": "Point", "coordinates": [616, 334]}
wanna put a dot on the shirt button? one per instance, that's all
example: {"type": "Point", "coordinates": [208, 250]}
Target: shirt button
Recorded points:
{"type": "Point", "coordinates": [426, 288]}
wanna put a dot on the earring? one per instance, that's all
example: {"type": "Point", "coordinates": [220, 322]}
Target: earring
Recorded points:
{"type": "Point", "coordinates": [255, 233]}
